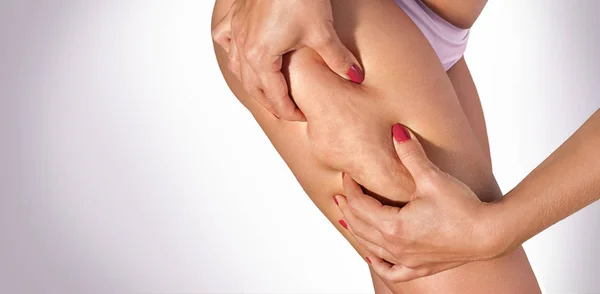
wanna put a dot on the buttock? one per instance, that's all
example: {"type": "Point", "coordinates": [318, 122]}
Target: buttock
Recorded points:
{"type": "Point", "coordinates": [448, 41]}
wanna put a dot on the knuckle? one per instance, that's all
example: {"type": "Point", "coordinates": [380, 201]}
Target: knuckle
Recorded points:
{"type": "Point", "coordinates": [410, 154]}
{"type": "Point", "coordinates": [285, 110]}
{"type": "Point", "coordinates": [220, 35]}
{"type": "Point", "coordinates": [352, 207]}
{"type": "Point", "coordinates": [216, 34]}
{"type": "Point", "coordinates": [430, 180]}
{"type": "Point", "coordinates": [431, 174]}
{"type": "Point", "coordinates": [253, 51]}
{"type": "Point", "coordinates": [324, 36]}
{"type": "Point", "coordinates": [340, 58]}
{"type": "Point", "coordinates": [393, 229]}
{"type": "Point", "coordinates": [287, 115]}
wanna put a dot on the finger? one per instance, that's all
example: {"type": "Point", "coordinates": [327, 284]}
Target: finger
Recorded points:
{"type": "Point", "coordinates": [252, 86]}
{"type": "Point", "coordinates": [365, 207]}
{"type": "Point", "coordinates": [234, 63]}
{"type": "Point", "coordinates": [357, 227]}
{"type": "Point", "coordinates": [337, 56]}
{"type": "Point", "coordinates": [276, 90]}
{"type": "Point", "coordinates": [376, 250]}
{"type": "Point", "coordinates": [221, 34]}
{"type": "Point", "coordinates": [412, 155]}
{"type": "Point", "coordinates": [394, 273]}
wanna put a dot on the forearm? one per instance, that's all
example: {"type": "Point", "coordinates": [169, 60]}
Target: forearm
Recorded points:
{"type": "Point", "coordinates": [566, 182]}
{"type": "Point", "coordinates": [348, 128]}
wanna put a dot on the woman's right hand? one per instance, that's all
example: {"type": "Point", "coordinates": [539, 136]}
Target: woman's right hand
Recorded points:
{"type": "Point", "coordinates": [445, 225]}
{"type": "Point", "coordinates": [257, 33]}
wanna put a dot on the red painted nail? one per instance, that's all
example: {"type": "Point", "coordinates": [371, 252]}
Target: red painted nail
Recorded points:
{"type": "Point", "coordinates": [400, 133]}
{"type": "Point", "coordinates": [368, 259]}
{"type": "Point", "coordinates": [343, 223]}
{"type": "Point", "coordinates": [355, 74]}
{"type": "Point", "coordinates": [335, 200]}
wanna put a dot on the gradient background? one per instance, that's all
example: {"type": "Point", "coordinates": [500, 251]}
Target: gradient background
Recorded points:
{"type": "Point", "coordinates": [126, 165]}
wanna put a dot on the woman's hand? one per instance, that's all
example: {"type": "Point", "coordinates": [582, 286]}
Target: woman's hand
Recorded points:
{"type": "Point", "coordinates": [256, 34]}
{"type": "Point", "coordinates": [444, 226]}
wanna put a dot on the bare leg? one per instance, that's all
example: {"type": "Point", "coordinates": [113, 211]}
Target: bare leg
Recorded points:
{"type": "Point", "coordinates": [349, 129]}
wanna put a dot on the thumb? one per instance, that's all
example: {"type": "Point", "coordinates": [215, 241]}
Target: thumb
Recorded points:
{"type": "Point", "coordinates": [338, 57]}
{"type": "Point", "coordinates": [411, 154]}
{"type": "Point", "coordinates": [221, 32]}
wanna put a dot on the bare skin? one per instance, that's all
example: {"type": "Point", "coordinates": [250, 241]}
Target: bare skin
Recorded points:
{"type": "Point", "coordinates": [431, 233]}
{"type": "Point", "coordinates": [445, 225]}
{"type": "Point", "coordinates": [258, 33]}
{"type": "Point", "coordinates": [461, 13]}
{"type": "Point", "coordinates": [348, 129]}
{"type": "Point", "coordinates": [574, 171]}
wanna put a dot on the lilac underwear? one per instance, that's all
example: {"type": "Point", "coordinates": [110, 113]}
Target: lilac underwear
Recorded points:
{"type": "Point", "coordinates": [448, 41]}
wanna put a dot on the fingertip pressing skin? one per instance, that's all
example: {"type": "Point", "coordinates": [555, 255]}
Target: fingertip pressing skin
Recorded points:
{"type": "Point", "coordinates": [355, 74]}
{"type": "Point", "coordinates": [377, 59]}
{"type": "Point", "coordinates": [337, 56]}
{"type": "Point", "coordinates": [400, 133]}
{"type": "Point", "coordinates": [343, 224]}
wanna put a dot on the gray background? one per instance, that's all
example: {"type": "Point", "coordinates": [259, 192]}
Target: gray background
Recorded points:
{"type": "Point", "coordinates": [126, 165]}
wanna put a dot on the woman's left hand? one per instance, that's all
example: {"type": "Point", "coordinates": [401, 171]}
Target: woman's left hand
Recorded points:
{"type": "Point", "coordinates": [445, 225]}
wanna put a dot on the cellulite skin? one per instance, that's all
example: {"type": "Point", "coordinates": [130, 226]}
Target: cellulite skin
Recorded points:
{"type": "Point", "coordinates": [349, 125]}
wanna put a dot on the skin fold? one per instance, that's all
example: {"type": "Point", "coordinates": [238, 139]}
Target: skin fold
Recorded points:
{"type": "Point", "coordinates": [258, 33]}
{"type": "Point", "coordinates": [445, 225]}
{"type": "Point", "coordinates": [348, 129]}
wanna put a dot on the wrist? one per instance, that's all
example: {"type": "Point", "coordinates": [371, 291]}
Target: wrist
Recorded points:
{"type": "Point", "coordinates": [496, 230]}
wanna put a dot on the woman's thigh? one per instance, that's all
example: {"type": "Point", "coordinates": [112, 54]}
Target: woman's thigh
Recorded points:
{"type": "Point", "coordinates": [349, 125]}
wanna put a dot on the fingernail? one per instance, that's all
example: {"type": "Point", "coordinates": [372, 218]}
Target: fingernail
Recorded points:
{"type": "Point", "coordinates": [368, 259]}
{"type": "Point", "coordinates": [335, 200]}
{"type": "Point", "coordinates": [343, 174]}
{"type": "Point", "coordinates": [400, 133]}
{"type": "Point", "coordinates": [343, 224]}
{"type": "Point", "coordinates": [355, 74]}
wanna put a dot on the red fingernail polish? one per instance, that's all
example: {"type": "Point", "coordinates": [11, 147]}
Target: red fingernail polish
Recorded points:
{"type": "Point", "coordinates": [335, 200]}
{"type": "Point", "coordinates": [355, 74]}
{"type": "Point", "coordinates": [343, 224]}
{"type": "Point", "coordinates": [368, 259]}
{"type": "Point", "coordinates": [400, 133]}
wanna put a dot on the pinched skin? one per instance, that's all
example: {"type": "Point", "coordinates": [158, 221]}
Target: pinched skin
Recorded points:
{"type": "Point", "coordinates": [348, 121]}
{"type": "Point", "coordinates": [348, 129]}
{"type": "Point", "coordinates": [356, 120]}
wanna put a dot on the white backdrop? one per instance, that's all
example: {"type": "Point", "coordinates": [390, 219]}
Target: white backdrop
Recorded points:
{"type": "Point", "coordinates": [126, 165]}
